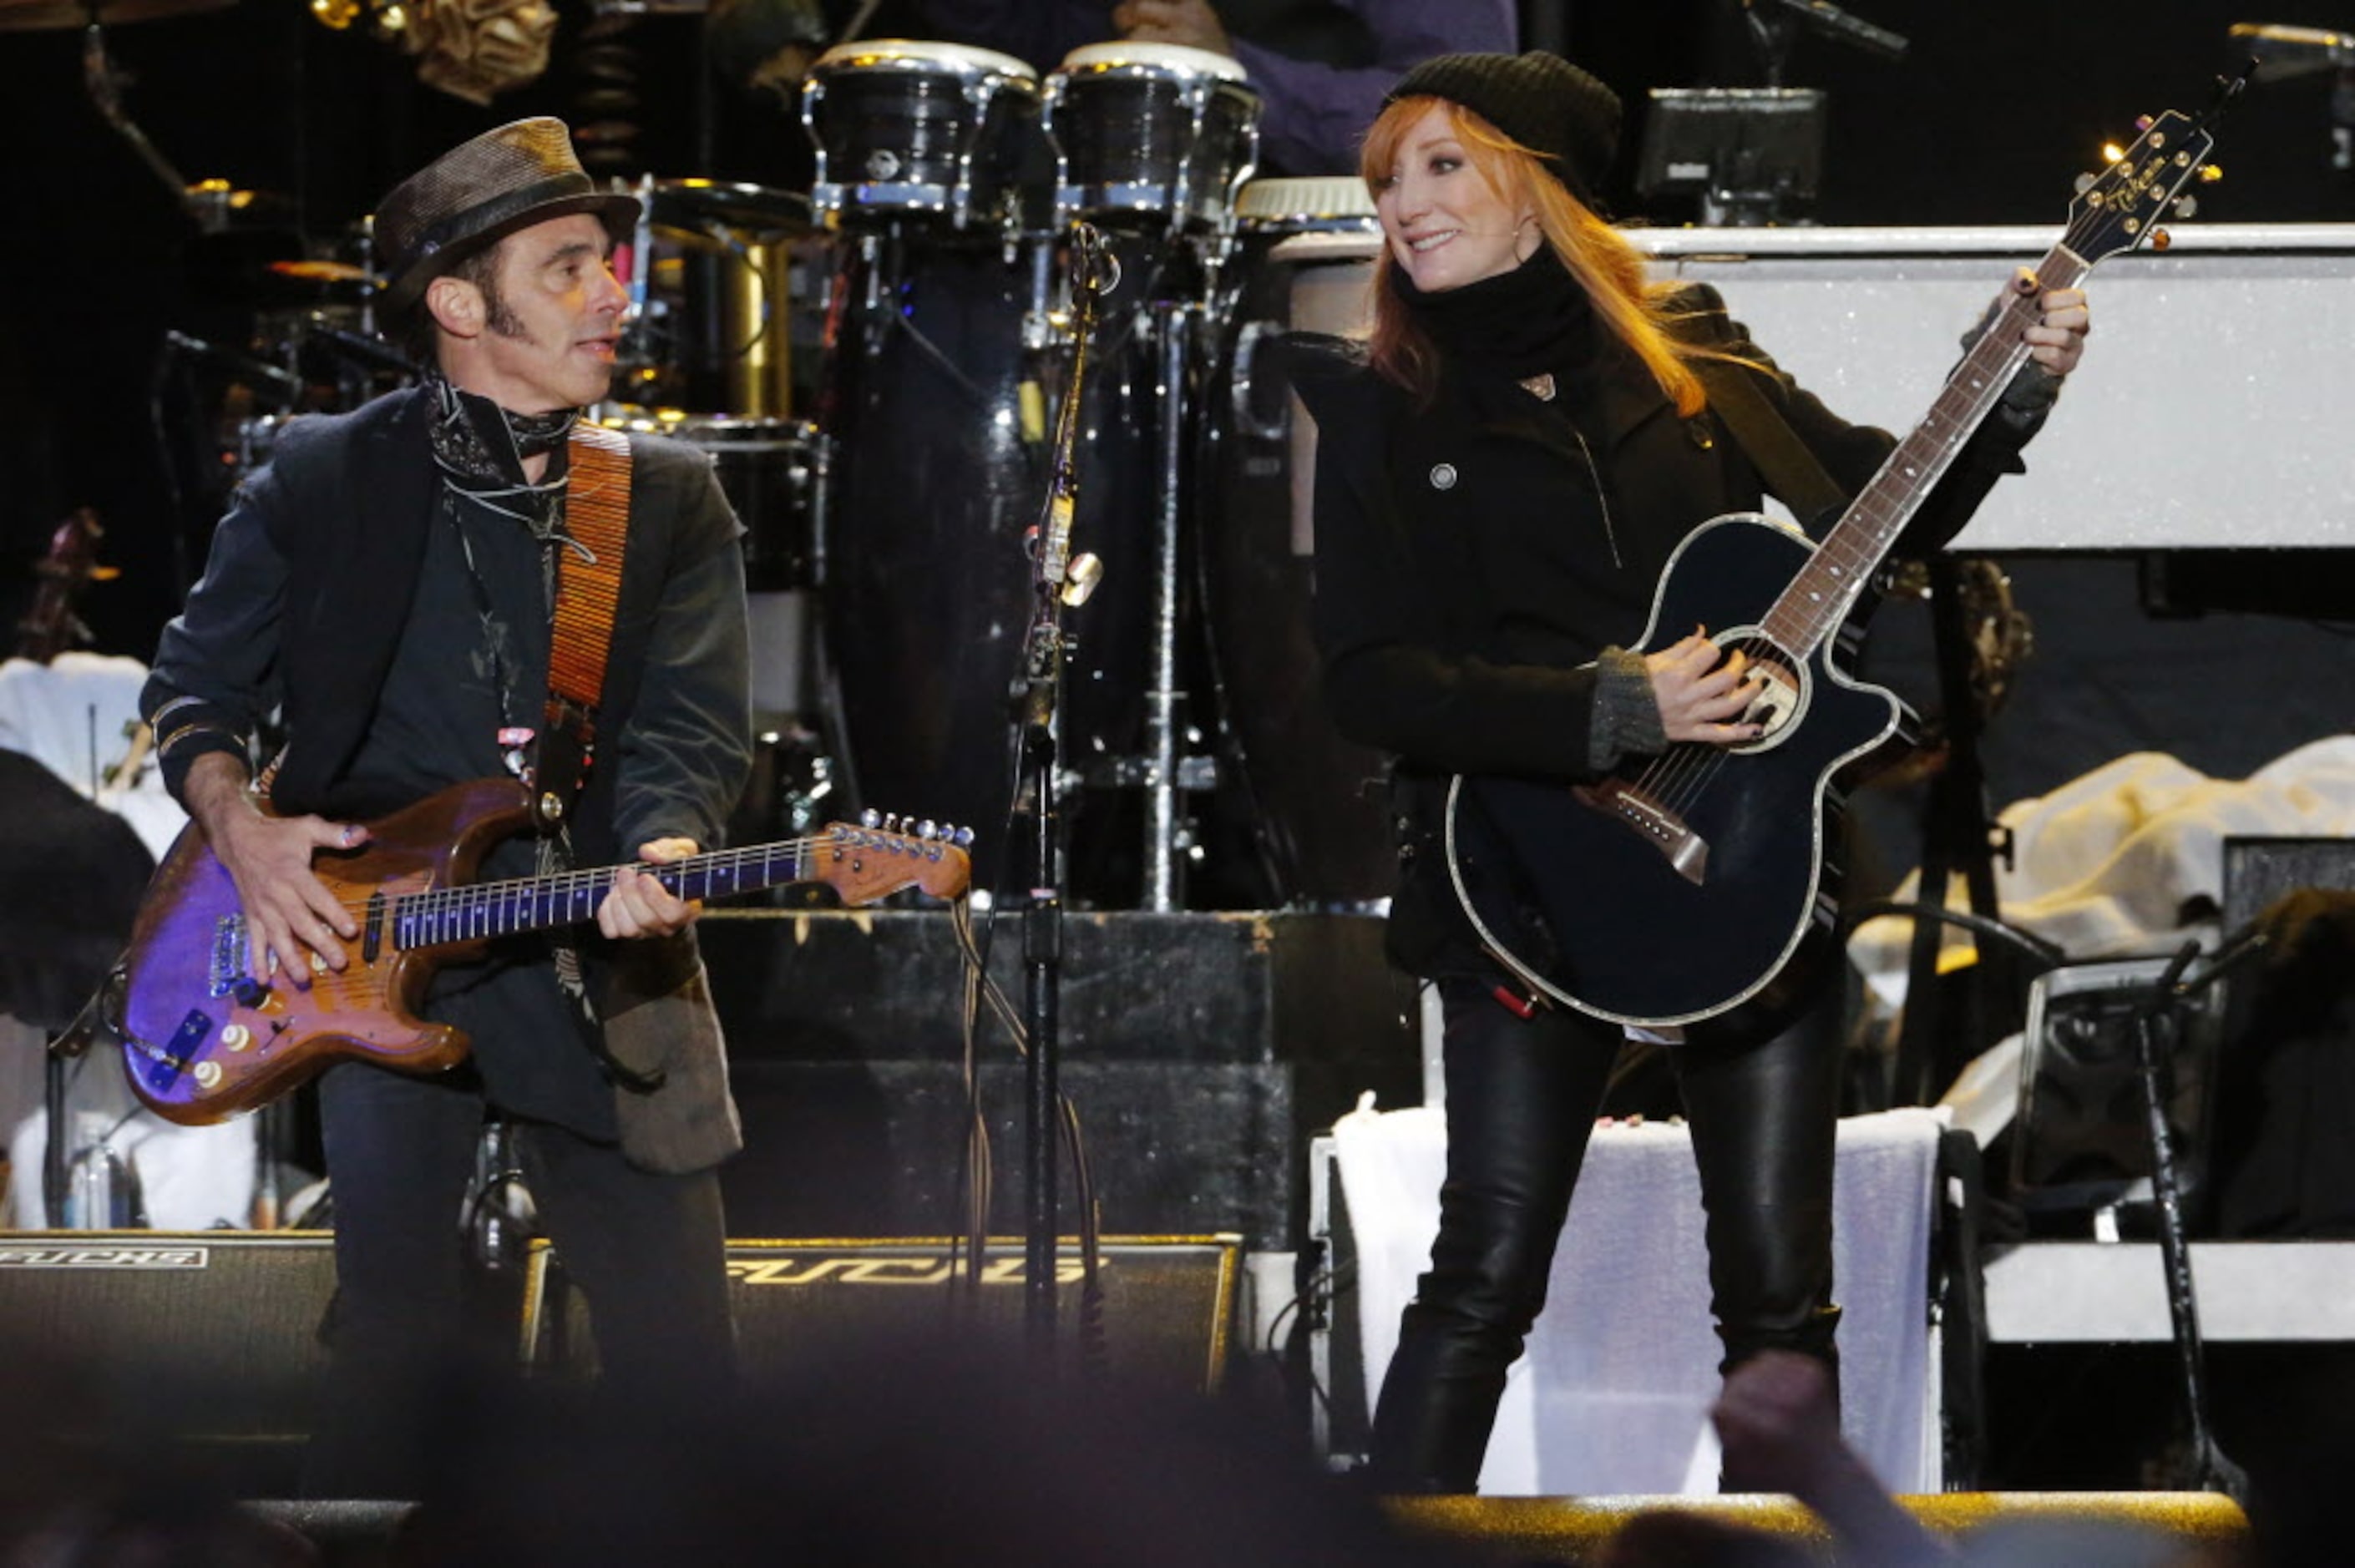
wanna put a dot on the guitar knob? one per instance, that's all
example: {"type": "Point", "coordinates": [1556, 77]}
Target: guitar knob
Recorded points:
{"type": "Point", "coordinates": [249, 991]}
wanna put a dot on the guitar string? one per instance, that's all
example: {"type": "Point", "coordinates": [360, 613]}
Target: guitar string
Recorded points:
{"type": "Point", "coordinates": [1678, 779]}
{"type": "Point", "coordinates": [586, 877]}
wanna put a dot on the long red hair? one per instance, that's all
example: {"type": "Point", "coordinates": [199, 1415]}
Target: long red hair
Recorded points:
{"type": "Point", "coordinates": [1610, 270]}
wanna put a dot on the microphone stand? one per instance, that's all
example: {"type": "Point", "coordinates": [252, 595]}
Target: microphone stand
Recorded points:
{"type": "Point", "coordinates": [1773, 23]}
{"type": "Point", "coordinates": [1060, 582]}
{"type": "Point", "coordinates": [2156, 1015]}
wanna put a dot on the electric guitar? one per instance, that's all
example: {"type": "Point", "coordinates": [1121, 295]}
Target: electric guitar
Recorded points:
{"type": "Point", "coordinates": [202, 1040]}
{"type": "Point", "coordinates": [1698, 883]}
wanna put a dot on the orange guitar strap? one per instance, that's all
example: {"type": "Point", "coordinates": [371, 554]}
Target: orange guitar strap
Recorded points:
{"type": "Point", "coordinates": [588, 589]}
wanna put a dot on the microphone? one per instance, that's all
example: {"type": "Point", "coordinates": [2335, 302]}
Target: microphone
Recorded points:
{"type": "Point", "coordinates": [1830, 19]}
{"type": "Point", "coordinates": [2282, 52]}
{"type": "Point", "coordinates": [363, 349]}
{"type": "Point", "coordinates": [198, 348]}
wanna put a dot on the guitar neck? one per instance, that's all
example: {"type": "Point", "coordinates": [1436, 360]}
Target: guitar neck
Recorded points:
{"type": "Point", "coordinates": [473, 911]}
{"type": "Point", "coordinates": [1821, 595]}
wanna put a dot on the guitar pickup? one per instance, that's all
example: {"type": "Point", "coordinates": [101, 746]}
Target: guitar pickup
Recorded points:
{"type": "Point", "coordinates": [176, 1056]}
{"type": "Point", "coordinates": [1687, 851]}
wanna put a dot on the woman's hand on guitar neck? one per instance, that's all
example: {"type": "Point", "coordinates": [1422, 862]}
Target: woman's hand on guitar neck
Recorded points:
{"type": "Point", "coordinates": [640, 907]}
{"type": "Point", "coordinates": [1702, 691]}
{"type": "Point", "coordinates": [292, 918]}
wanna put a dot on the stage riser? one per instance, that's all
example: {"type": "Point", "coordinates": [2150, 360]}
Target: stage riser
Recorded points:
{"type": "Point", "coordinates": [877, 1148]}
{"type": "Point", "coordinates": [1202, 1049]}
{"type": "Point", "coordinates": [1525, 1531]}
{"type": "Point", "coordinates": [1248, 987]}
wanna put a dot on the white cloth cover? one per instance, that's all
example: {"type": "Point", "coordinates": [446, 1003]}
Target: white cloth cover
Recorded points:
{"type": "Point", "coordinates": [1612, 1395]}
{"type": "Point", "coordinates": [2105, 865]}
{"type": "Point", "coordinates": [75, 715]}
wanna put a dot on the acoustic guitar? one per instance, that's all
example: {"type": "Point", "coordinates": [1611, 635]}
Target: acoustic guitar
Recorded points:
{"type": "Point", "coordinates": [1700, 884]}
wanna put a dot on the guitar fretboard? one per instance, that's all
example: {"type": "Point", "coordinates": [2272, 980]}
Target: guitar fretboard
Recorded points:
{"type": "Point", "coordinates": [484, 909]}
{"type": "Point", "coordinates": [1821, 594]}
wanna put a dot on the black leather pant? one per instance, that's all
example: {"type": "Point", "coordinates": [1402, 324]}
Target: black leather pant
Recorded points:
{"type": "Point", "coordinates": [1521, 1099]}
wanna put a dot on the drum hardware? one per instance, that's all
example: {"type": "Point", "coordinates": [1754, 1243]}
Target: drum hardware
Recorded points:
{"type": "Point", "coordinates": [1305, 249]}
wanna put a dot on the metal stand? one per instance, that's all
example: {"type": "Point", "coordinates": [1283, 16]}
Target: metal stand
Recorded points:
{"type": "Point", "coordinates": [2154, 1022]}
{"type": "Point", "coordinates": [1957, 832]}
{"type": "Point", "coordinates": [1061, 581]}
{"type": "Point", "coordinates": [1172, 322]}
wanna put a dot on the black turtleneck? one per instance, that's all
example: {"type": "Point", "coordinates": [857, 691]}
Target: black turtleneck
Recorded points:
{"type": "Point", "coordinates": [1533, 320]}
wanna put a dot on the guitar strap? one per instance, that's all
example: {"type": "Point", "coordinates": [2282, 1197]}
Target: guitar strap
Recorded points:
{"type": "Point", "coordinates": [588, 589]}
{"type": "Point", "coordinates": [580, 636]}
{"type": "Point", "coordinates": [1792, 473]}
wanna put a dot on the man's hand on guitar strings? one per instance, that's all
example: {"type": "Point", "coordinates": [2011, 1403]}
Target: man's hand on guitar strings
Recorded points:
{"type": "Point", "coordinates": [1703, 691]}
{"type": "Point", "coordinates": [639, 905]}
{"type": "Point", "coordinates": [292, 920]}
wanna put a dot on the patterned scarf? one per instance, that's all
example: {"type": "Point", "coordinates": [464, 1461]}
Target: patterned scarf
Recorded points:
{"type": "Point", "coordinates": [480, 449]}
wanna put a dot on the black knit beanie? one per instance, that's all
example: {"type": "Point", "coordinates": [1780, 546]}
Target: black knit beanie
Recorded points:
{"type": "Point", "coordinates": [1540, 100]}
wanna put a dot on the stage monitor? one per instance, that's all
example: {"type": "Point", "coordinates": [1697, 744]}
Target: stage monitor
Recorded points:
{"type": "Point", "coordinates": [1752, 155]}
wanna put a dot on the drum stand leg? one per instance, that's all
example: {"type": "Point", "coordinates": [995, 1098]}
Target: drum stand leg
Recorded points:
{"type": "Point", "coordinates": [1171, 322]}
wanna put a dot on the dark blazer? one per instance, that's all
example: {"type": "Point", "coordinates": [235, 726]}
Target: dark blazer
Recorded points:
{"type": "Point", "coordinates": [310, 583]}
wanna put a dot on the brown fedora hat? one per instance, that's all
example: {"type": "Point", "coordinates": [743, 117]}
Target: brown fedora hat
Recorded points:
{"type": "Point", "coordinates": [471, 195]}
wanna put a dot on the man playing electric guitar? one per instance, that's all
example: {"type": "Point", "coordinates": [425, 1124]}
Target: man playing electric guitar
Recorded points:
{"type": "Point", "coordinates": [394, 583]}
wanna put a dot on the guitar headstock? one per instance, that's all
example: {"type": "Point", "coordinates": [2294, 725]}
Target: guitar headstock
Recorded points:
{"type": "Point", "coordinates": [878, 856]}
{"type": "Point", "coordinates": [2121, 206]}
{"type": "Point", "coordinates": [50, 627]}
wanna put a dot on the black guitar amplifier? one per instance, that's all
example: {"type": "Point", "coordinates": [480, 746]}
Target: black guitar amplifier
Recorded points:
{"type": "Point", "coordinates": [208, 1340]}
{"type": "Point", "coordinates": [1166, 1318]}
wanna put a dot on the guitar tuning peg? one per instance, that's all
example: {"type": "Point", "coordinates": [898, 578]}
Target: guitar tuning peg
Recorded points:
{"type": "Point", "coordinates": [2160, 240]}
{"type": "Point", "coordinates": [962, 838]}
{"type": "Point", "coordinates": [927, 829]}
{"type": "Point", "coordinates": [890, 821]}
{"type": "Point", "coordinates": [871, 818]}
{"type": "Point", "coordinates": [2085, 183]}
{"type": "Point", "coordinates": [2186, 207]}
{"type": "Point", "coordinates": [2144, 123]}
{"type": "Point", "coordinates": [2211, 173]}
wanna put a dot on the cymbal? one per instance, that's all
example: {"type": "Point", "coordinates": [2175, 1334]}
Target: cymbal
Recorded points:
{"type": "Point", "coordinates": [218, 206]}
{"type": "Point", "coordinates": [37, 15]}
{"type": "Point", "coordinates": [755, 211]}
{"type": "Point", "coordinates": [321, 271]}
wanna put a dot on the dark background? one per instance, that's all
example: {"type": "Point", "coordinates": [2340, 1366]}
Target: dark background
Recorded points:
{"type": "Point", "coordinates": [2000, 105]}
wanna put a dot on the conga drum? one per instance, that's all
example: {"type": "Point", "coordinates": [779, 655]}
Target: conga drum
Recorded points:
{"type": "Point", "coordinates": [1156, 137]}
{"type": "Point", "coordinates": [1307, 249]}
{"type": "Point", "coordinates": [908, 130]}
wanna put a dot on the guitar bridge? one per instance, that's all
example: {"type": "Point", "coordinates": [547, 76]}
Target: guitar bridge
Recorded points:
{"type": "Point", "coordinates": [1687, 851]}
{"type": "Point", "coordinates": [228, 954]}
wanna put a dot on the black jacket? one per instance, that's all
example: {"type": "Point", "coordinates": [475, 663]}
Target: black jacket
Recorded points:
{"type": "Point", "coordinates": [309, 585]}
{"type": "Point", "coordinates": [1473, 557]}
